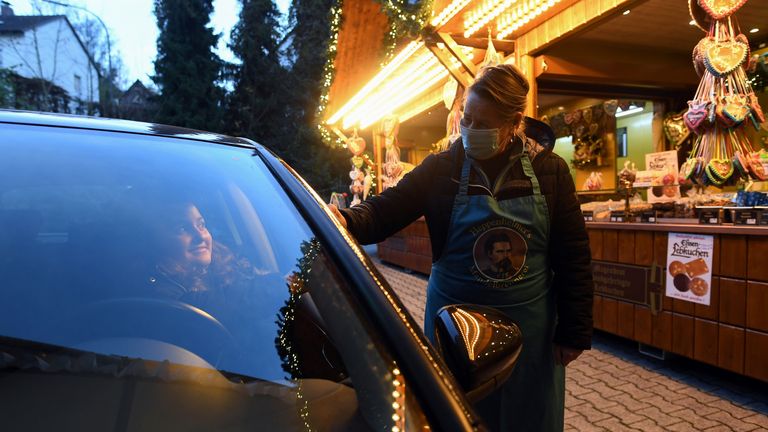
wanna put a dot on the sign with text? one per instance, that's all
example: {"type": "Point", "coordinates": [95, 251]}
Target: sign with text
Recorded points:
{"type": "Point", "coordinates": [689, 267]}
{"type": "Point", "coordinates": [621, 281]}
{"type": "Point", "coordinates": [663, 188]}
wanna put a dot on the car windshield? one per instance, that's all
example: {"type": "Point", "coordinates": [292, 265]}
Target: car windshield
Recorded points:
{"type": "Point", "coordinates": [175, 252]}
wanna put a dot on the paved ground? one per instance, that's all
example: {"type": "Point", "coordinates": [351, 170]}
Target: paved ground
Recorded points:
{"type": "Point", "coordinates": [615, 388]}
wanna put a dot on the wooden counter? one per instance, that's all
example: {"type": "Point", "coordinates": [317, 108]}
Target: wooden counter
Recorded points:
{"type": "Point", "coordinates": [731, 333]}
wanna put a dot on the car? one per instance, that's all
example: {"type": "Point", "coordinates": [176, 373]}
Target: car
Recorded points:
{"type": "Point", "coordinates": [160, 278]}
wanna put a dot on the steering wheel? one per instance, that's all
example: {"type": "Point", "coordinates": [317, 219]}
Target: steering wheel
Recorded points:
{"type": "Point", "coordinates": [138, 318]}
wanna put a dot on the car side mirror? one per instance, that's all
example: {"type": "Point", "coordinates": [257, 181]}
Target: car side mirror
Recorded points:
{"type": "Point", "coordinates": [479, 344]}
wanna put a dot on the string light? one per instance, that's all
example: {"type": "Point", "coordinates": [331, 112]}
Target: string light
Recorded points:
{"type": "Point", "coordinates": [521, 14]}
{"type": "Point", "coordinates": [449, 12]}
{"type": "Point", "coordinates": [328, 74]}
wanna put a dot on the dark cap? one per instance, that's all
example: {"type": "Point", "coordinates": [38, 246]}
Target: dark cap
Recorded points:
{"type": "Point", "coordinates": [540, 132]}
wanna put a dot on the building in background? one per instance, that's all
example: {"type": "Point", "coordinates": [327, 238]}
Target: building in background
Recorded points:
{"type": "Point", "coordinates": [47, 63]}
{"type": "Point", "coordinates": [137, 103]}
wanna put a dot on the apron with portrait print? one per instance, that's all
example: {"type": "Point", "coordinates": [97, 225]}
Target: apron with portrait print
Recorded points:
{"type": "Point", "coordinates": [532, 399]}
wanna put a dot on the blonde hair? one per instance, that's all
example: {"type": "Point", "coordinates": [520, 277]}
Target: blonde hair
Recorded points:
{"type": "Point", "coordinates": [506, 86]}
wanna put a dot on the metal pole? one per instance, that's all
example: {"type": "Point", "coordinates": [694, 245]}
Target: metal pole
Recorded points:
{"type": "Point", "coordinates": [109, 44]}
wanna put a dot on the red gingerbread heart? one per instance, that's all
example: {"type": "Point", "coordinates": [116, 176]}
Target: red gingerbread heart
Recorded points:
{"type": "Point", "coordinates": [695, 116]}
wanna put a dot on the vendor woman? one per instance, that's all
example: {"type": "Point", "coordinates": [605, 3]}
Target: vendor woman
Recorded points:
{"type": "Point", "coordinates": [506, 232]}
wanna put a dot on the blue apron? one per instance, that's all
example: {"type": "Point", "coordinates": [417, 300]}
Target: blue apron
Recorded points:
{"type": "Point", "coordinates": [496, 254]}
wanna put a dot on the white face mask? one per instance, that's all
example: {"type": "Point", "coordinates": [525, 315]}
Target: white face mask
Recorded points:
{"type": "Point", "coordinates": [480, 144]}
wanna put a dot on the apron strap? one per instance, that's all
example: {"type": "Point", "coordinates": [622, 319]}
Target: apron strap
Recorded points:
{"type": "Point", "coordinates": [528, 170]}
{"type": "Point", "coordinates": [464, 184]}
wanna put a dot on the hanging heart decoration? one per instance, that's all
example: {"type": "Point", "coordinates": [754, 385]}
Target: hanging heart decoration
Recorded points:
{"type": "Point", "coordinates": [699, 53]}
{"type": "Point", "coordinates": [675, 129]}
{"type": "Point", "coordinates": [723, 57]}
{"type": "Point", "coordinates": [743, 39]}
{"type": "Point", "coordinates": [695, 116]}
{"type": "Point", "coordinates": [358, 162]}
{"type": "Point", "coordinates": [719, 9]}
{"type": "Point", "coordinates": [702, 19]}
{"type": "Point", "coordinates": [572, 117]}
{"type": "Point", "coordinates": [356, 145]}
{"type": "Point", "coordinates": [688, 169]}
{"type": "Point", "coordinates": [736, 108]}
{"type": "Point", "coordinates": [586, 114]}
{"type": "Point", "coordinates": [719, 170]}
{"type": "Point", "coordinates": [610, 106]}
{"type": "Point", "coordinates": [756, 166]}
{"type": "Point", "coordinates": [579, 131]}
{"type": "Point", "coordinates": [741, 163]}
{"type": "Point", "coordinates": [757, 110]}
{"type": "Point", "coordinates": [593, 129]}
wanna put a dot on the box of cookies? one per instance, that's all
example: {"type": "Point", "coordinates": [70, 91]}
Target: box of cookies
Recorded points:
{"type": "Point", "coordinates": [689, 267]}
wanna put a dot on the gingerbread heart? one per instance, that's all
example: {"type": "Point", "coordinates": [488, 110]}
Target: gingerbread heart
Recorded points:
{"type": "Point", "coordinates": [723, 57]}
{"type": "Point", "coordinates": [736, 108]}
{"type": "Point", "coordinates": [610, 106]}
{"type": "Point", "coordinates": [698, 54]}
{"type": "Point", "coordinates": [756, 167]}
{"type": "Point", "coordinates": [356, 145]}
{"type": "Point", "coordinates": [722, 119]}
{"type": "Point", "coordinates": [757, 110]}
{"type": "Point", "coordinates": [741, 163]}
{"type": "Point", "coordinates": [688, 169]}
{"type": "Point", "coordinates": [675, 129]}
{"type": "Point", "coordinates": [700, 17]}
{"type": "Point", "coordinates": [586, 114]}
{"type": "Point", "coordinates": [719, 9]}
{"type": "Point", "coordinates": [722, 169]}
{"type": "Point", "coordinates": [695, 116]}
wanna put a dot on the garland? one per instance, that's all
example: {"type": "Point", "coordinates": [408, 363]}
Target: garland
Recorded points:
{"type": "Point", "coordinates": [404, 20]}
{"type": "Point", "coordinates": [328, 74]}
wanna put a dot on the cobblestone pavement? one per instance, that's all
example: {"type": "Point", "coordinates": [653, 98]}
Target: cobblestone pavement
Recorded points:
{"type": "Point", "coordinates": [615, 388]}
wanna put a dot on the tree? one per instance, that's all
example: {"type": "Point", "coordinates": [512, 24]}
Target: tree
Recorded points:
{"type": "Point", "coordinates": [187, 71]}
{"type": "Point", "coordinates": [256, 107]}
{"type": "Point", "coordinates": [310, 20]}
{"type": "Point", "coordinates": [102, 50]}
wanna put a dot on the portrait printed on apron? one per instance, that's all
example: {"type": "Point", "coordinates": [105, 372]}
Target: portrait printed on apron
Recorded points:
{"type": "Point", "coordinates": [499, 252]}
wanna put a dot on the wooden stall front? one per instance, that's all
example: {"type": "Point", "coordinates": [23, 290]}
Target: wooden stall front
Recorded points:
{"type": "Point", "coordinates": [730, 333]}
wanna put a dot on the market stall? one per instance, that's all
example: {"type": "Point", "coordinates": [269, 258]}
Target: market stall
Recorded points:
{"type": "Point", "coordinates": [615, 91]}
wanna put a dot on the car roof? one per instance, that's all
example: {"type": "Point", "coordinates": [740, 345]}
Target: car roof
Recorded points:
{"type": "Point", "coordinates": [117, 125]}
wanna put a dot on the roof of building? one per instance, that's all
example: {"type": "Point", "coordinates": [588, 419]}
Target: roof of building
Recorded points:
{"type": "Point", "coordinates": [22, 23]}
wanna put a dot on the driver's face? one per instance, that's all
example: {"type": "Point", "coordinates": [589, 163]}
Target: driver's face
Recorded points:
{"type": "Point", "coordinates": [192, 244]}
{"type": "Point", "coordinates": [500, 251]}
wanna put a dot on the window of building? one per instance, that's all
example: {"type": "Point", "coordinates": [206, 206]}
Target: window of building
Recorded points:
{"type": "Point", "coordinates": [78, 85]}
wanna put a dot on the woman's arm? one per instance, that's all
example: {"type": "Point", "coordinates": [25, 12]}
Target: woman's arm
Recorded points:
{"type": "Point", "coordinates": [380, 216]}
{"type": "Point", "coordinates": [571, 262]}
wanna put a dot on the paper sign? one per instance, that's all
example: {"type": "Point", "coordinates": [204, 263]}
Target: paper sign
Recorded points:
{"type": "Point", "coordinates": [664, 187]}
{"type": "Point", "coordinates": [689, 267]}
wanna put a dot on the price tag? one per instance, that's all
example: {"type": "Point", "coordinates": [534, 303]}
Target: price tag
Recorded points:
{"type": "Point", "coordinates": [710, 215]}
{"type": "Point", "coordinates": [648, 217]}
{"type": "Point", "coordinates": [746, 216]}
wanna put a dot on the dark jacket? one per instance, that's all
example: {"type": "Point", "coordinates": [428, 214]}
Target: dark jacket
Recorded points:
{"type": "Point", "coordinates": [430, 189]}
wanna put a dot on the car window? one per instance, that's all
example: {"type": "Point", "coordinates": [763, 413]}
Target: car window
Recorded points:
{"type": "Point", "coordinates": [182, 267]}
